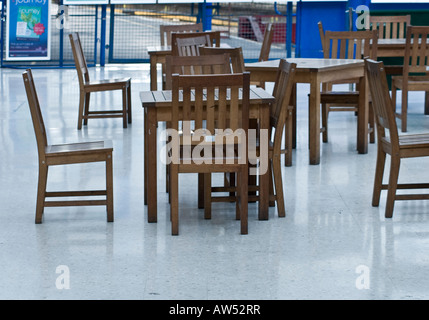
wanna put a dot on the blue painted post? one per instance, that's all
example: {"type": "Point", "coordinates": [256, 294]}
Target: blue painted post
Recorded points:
{"type": "Point", "coordinates": [289, 17]}
{"type": "Point", "coordinates": [205, 15]}
{"type": "Point", "coordinates": [61, 37]}
{"type": "Point", "coordinates": [103, 35]}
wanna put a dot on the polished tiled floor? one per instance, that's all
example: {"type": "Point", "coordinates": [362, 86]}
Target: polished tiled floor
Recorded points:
{"type": "Point", "coordinates": [332, 244]}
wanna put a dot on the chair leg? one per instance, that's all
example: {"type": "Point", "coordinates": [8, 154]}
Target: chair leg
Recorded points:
{"type": "Point", "coordinates": [404, 110]}
{"type": "Point", "coordinates": [86, 108]}
{"type": "Point", "coordinates": [109, 187]}
{"type": "Point", "coordinates": [81, 110]}
{"type": "Point", "coordinates": [129, 102]}
{"type": "Point", "coordinates": [41, 191]}
{"type": "Point", "coordinates": [272, 203]}
{"type": "Point", "coordinates": [124, 107]}
{"type": "Point", "coordinates": [371, 124]}
{"type": "Point", "coordinates": [278, 185]}
{"type": "Point", "coordinates": [378, 179]}
{"type": "Point", "coordinates": [289, 138]}
{"type": "Point", "coordinates": [242, 200]}
{"type": "Point", "coordinates": [426, 102]}
{"type": "Point", "coordinates": [393, 184]}
{"type": "Point", "coordinates": [174, 202]}
{"type": "Point", "coordinates": [207, 196]}
{"type": "Point", "coordinates": [325, 114]}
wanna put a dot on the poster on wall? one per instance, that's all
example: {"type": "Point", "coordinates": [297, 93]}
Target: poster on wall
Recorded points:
{"type": "Point", "coordinates": [28, 30]}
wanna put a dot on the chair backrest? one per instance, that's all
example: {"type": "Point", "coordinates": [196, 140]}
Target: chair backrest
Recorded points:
{"type": "Point", "coordinates": [416, 50]}
{"type": "Point", "coordinates": [36, 113]}
{"type": "Point", "coordinates": [218, 101]}
{"type": "Point", "coordinates": [207, 64]}
{"type": "Point", "coordinates": [79, 58]}
{"type": "Point", "coordinates": [350, 44]}
{"type": "Point", "coordinates": [187, 44]}
{"type": "Point", "coordinates": [166, 30]}
{"type": "Point", "coordinates": [235, 54]}
{"type": "Point", "coordinates": [381, 102]}
{"type": "Point", "coordinates": [389, 27]}
{"type": "Point", "coordinates": [282, 92]}
{"type": "Point", "coordinates": [321, 34]}
{"type": "Point", "coordinates": [266, 43]}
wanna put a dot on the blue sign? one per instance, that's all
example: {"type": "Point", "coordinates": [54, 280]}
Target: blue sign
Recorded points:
{"type": "Point", "coordinates": [28, 30]}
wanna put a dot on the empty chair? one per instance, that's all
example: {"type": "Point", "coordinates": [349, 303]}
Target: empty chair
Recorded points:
{"type": "Point", "coordinates": [187, 44]}
{"type": "Point", "coordinates": [235, 54]}
{"type": "Point", "coordinates": [191, 65]}
{"type": "Point", "coordinates": [345, 45]}
{"type": "Point", "coordinates": [264, 54]}
{"type": "Point", "coordinates": [281, 112]}
{"type": "Point", "coordinates": [389, 27]}
{"type": "Point", "coordinates": [415, 62]}
{"type": "Point", "coordinates": [64, 154]}
{"type": "Point", "coordinates": [167, 29]}
{"type": "Point", "coordinates": [86, 87]}
{"type": "Point", "coordinates": [217, 107]}
{"type": "Point", "coordinates": [390, 142]}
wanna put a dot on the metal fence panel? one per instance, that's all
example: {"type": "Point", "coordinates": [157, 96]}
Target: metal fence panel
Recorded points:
{"type": "Point", "coordinates": [133, 28]}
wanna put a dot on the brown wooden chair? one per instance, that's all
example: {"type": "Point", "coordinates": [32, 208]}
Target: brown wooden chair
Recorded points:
{"type": "Point", "coordinates": [281, 112]}
{"type": "Point", "coordinates": [235, 54]}
{"type": "Point", "coordinates": [264, 54]}
{"type": "Point", "coordinates": [64, 154]}
{"type": "Point", "coordinates": [86, 87]}
{"type": "Point", "coordinates": [346, 45]}
{"type": "Point", "coordinates": [187, 44]}
{"type": "Point", "coordinates": [207, 96]}
{"type": "Point", "coordinates": [414, 77]}
{"type": "Point", "coordinates": [389, 27]}
{"type": "Point", "coordinates": [196, 65]}
{"type": "Point", "coordinates": [321, 34]}
{"type": "Point", "coordinates": [390, 142]}
{"type": "Point", "coordinates": [167, 29]}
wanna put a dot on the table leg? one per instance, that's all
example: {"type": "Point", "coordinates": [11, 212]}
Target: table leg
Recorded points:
{"type": "Point", "coordinates": [264, 179]}
{"type": "Point", "coordinates": [314, 119]}
{"type": "Point", "coordinates": [151, 169]}
{"type": "Point", "coordinates": [363, 116]}
{"type": "Point", "coordinates": [153, 74]}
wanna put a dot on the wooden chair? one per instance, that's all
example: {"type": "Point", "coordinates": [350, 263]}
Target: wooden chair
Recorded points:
{"type": "Point", "coordinates": [86, 87]}
{"type": "Point", "coordinates": [414, 76]}
{"type": "Point", "coordinates": [321, 34]}
{"type": "Point", "coordinates": [346, 45]}
{"type": "Point", "coordinates": [210, 115]}
{"type": "Point", "coordinates": [187, 44]}
{"type": "Point", "coordinates": [196, 65]}
{"type": "Point", "coordinates": [281, 113]}
{"type": "Point", "coordinates": [235, 54]}
{"type": "Point", "coordinates": [389, 27]}
{"type": "Point", "coordinates": [264, 54]}
{"type": "Point", "coordinates": [390, 142]}
{"type": "Point", "coordinates": [64, 154]}
{"type": "Point", "coordinates": [167, 29]}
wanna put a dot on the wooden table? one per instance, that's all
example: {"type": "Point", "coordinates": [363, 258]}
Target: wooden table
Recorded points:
{"type": "Point", "coordinates": [157, 108]}
{"type": "Point", "coordinates": [315, 72]}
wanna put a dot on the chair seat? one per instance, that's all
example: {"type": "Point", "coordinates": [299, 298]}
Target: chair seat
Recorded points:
{"type": "Point", "coordinates": [106, 83]}
{"type": "Point", "coordinates": [78, 148]}
{"type": "Point", "coordinates": [412, 145]}
{"type": "Point", "coordinates": [414, 82]}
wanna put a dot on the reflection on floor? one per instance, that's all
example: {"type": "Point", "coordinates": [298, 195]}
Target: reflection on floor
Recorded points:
{"type": "Point", "coordinates": [332, 244]}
